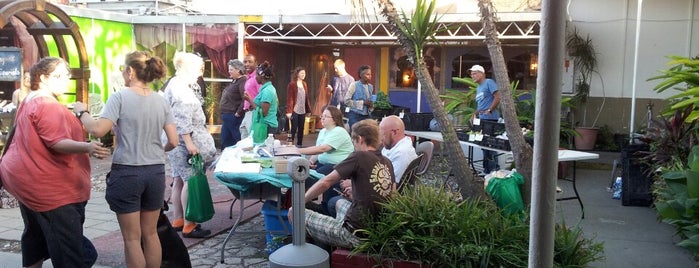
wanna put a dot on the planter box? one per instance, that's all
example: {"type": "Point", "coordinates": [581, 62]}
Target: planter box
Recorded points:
{"type": "Point", "coordinates": [341, 258]}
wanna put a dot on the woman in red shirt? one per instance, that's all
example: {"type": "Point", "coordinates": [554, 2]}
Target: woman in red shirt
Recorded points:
{"type": "Point", "coordinates": [47, 168]}
{"type": "Point", "coordinates": [297, 104]}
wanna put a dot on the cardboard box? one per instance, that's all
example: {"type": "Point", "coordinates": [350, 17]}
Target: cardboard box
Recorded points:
{"type": "Point", "coordinates": [280, 163]}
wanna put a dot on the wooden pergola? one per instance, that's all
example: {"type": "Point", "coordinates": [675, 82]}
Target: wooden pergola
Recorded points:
{"type": "Point", "coordinates": [38, 17]}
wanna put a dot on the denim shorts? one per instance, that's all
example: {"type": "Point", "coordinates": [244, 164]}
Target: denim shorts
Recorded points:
{"type": "Point", "coordinates": [135, 188]}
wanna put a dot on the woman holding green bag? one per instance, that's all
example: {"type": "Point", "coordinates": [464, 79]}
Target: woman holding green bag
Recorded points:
{"type": "Point", "coordinates": [194, 137]}
{"type": "Point", "coordinates": [265, 105]}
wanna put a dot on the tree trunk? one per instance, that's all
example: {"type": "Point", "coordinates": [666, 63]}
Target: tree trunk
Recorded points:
{"type": "Point", "coordinates": [521, 150]}
{"type": "Point", "coordinates": [469, 185]}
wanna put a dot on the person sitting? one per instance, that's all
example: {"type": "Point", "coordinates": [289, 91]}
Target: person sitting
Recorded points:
{"type": "Point", "coordinates": [371, 174]}
{"type": "Point", "coordinates": [333, 145]}
{"type": "Point", "coordinates": [396, 146]}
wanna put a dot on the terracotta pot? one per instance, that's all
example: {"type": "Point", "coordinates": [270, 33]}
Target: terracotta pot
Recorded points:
{"type": "Point", "coordinates": [587, 138]}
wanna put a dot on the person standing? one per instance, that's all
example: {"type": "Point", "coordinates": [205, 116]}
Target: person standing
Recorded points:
{"type": "Point", "coordinates": [358, 98]}
{"type": "Point", "coordinates": [193, 135]}
{"type": "Point", "coordinates": [396, 146]}
{"type": "Point", "coordinates": [266, 103]}
{"type": "Point", "coordinates": [487, 99]}
{"type": "Point", "coordinates": [19, 94]}
{"type": "Point", "coordinates": [340, 84]}
{"type": "Point", "coordinates": [297, 104]}
{"type": "Point", "coordinates": [136, 183]}
{"type": "Point", "coordinates": [371, 176]}
{"type": "Point", "coordinates": [47, 168]}
{"type": "Point", "coordinates": [252, 88]}
{"type": "Point", "coordinates": [232, 108]}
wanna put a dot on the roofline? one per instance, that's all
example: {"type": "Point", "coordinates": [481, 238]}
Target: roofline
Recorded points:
{"type": "Point", "coordinates": [253, 19]}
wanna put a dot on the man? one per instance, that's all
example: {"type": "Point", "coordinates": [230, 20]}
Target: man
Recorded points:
{"type": "Point", "coordinates": [396, 146]}
{"type": "Point", "coordinates": [372, 179]}
{"type": "Point", "coordinates": [487, 99]}
{"type": "Point", "coordinates": [340, 84]}
{"type": "Point", "coordinates": [358, 97]}
{"type": "Point", "coordinates": [252, 88]}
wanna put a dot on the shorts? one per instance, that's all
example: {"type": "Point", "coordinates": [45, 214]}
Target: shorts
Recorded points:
{"type": "Point", "coordinates": [135, 188]}
{"type": "Point", "coordinates": [56, 234]}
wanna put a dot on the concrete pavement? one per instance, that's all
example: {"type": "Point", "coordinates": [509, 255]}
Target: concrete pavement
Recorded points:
{"type": "Point", "coordinates": [632, 236]}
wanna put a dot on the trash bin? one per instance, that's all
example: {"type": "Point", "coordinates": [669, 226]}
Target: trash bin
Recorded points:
{"type": "Point", "coordinates": [635, 182]}
{"type": "Point", "coordinates": [274, 228]}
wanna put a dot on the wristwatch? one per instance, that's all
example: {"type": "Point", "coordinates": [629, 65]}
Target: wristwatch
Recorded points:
{"type": "Point", "coordinates": [80, 114]}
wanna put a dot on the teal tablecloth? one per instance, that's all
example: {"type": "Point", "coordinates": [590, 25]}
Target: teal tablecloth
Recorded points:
{"type": "Point", "coordinates": [243, 181]}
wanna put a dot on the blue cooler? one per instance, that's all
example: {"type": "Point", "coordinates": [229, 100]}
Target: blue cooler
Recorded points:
{"type": "Point", "coordinates": [274, 228]}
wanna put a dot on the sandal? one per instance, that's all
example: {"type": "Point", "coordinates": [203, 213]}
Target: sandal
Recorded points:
{"type": "Point", "coordinates": [179, 229]}
{"type": "Point", "coordinates": [198, 232]}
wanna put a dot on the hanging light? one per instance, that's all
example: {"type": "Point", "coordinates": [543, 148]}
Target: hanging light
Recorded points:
{"type": "Point", "coordinates": [533, 64]}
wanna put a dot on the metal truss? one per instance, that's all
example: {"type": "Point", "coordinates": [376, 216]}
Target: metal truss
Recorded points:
{"type": "Point", "coordinates": [454, 31]}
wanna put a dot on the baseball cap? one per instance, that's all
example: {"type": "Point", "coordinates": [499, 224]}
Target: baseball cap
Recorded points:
{"type": "Point", "coordinates": [477, 68]}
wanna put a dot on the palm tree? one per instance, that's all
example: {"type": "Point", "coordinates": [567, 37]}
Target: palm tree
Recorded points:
{"type": "Point", "coordinates": [521, 150]}
{"type": "Point", "coordinates": [413, 34]}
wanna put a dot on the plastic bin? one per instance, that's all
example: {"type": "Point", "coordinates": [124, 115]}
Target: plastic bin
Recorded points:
{"type": "Point", "coordinates": [635, 182]}
{"type": "Point", "coordinates": [274, 228]}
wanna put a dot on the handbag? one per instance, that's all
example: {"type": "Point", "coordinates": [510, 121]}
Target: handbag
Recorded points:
{"type": "Point", "coordinates": [200, 207]}
{"type": "Point", "coordinates": [259, 128]}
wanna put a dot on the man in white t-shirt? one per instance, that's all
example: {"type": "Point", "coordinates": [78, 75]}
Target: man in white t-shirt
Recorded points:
{"type": "Point", "coordinates": [396, 146]}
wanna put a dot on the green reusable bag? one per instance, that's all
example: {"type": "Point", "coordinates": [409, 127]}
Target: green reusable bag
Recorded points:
{"type": "Point", "coordinates": [200, 207]}
{"type": "Point", "coordinates": [505, 192]}
{"type": "Point", "coordinates": [259, 128]}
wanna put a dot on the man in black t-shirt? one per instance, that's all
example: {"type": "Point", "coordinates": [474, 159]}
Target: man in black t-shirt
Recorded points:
{"type": "Point", "coordinates": [372, 182]}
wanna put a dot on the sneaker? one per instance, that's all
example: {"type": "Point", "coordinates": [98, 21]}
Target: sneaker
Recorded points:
{"type": "Point", "coordinates": [198, 232]}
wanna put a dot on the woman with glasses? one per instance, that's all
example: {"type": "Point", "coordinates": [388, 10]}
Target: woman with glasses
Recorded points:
{"type": "Point", "coordinates": [333, 145]}
{"type": "Point", "coordinates": [47, 168]}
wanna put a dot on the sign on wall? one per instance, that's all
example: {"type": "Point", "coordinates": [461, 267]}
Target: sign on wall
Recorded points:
{"type": "Point", "coordinates": [10, 64]}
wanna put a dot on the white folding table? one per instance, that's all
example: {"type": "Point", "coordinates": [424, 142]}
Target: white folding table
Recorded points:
{"type": "Point", "coordinates": [563, 156]}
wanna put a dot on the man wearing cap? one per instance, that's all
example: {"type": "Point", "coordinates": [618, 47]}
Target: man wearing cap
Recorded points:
{"type": "Point", "coordinates": [487, 99]}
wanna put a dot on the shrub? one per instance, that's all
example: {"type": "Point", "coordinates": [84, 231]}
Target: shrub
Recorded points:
{"type": "Point", "coordinates": [426, 225]}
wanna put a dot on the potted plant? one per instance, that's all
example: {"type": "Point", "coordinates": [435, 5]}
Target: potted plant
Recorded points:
{"type": "Point", "coordinates": [582, 50]}
{"type": "Point", "coordinates": [382, 106]}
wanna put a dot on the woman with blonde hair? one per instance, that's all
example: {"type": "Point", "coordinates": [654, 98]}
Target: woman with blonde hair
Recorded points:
{"type": "Point", "coordinates": [194, 137]}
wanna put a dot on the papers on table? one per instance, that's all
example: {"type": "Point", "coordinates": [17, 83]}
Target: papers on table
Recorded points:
{"type": "Point", "coordinates": [230, 161]}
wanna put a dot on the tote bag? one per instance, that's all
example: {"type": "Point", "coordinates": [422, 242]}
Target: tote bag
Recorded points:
{"type": "Point", "coordinates": [200, 207]}
{"type": "Point", "coordinates": [259, 128]}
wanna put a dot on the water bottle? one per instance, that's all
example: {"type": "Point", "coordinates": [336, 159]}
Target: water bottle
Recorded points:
{"type": "Point", "coordinates": [269, 142]}
{"type": "Point", "coordinates": [617, 189]}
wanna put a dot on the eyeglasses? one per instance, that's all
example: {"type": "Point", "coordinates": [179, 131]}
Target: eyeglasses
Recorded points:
{"type": "Point", "coordinates": [61, 75]}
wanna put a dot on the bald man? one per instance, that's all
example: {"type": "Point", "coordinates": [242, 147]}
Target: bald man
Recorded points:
{"type": "Point", "coordinates": [396, 146]}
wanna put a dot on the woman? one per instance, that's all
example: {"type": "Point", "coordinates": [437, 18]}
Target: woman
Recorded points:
{"type": "Point", "coordinates": [194, 137]}
{"type": "Point", "coordinates": [47, 168]}
{"type": "Point", "coordinates": [266, 103]}
{"type": "Point", "coordinates": [22, 91]}
{"type": "Point", "coordinates": [333, 145]}
{"type": "Point", "coordinates": [231, 104]}
{"type": "Point", "coordinates": [136, 183]}
{"type": "Point", "coordinates": [297, 104]}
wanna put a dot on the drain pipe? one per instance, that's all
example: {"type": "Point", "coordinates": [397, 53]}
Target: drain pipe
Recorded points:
{"type": "Point", "coordinates": [299, 254]}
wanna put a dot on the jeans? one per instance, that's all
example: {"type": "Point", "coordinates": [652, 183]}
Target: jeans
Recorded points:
{"type": "Point", "coordinates": [230, 131]}
{"type": "Point", "coordinates": [354, 118]}
{"type": "Point", "coordinates": [297, 124]}
{"type": "Point", "coordinates": [490, 161]}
